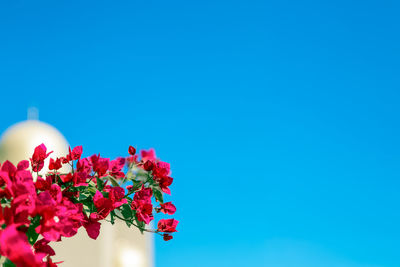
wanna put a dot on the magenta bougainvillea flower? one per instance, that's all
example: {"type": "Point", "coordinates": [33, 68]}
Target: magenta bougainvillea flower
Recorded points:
{"type": "Point", "coordinates": [100, 165]}
{"type": "Point", "coordinates": [55, 164]}
{"type": "Point", "coordinates": [38, 157]}
{"type": "Point", "coordinates": [116, 167]}
{"type": "Point", "coordinates": [103, 206]}
{"type": "Point", "coordinates": [15, 246]}
{"type": "Point", "coordinates": [33, 214]}
{"type": "Point", "coordinates": [116, 195]}
{"type": "Point", "coordinates": [76, 153]}
{"type": "Point", "coordinates": [168, 208]}
{"type": "Point", "coordinates": [149, 165]}
{"type": "Point", "coordinates": [148, 155]}
{"type": "Point", "coordinates": [167, 226]}
{"type": "Point", "coordinates": [42, 246]}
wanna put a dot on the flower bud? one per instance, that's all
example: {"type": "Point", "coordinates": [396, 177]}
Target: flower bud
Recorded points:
{"type": "Point", "coordinates": [132, 150]}
{"type": "Point", "coordinates": [167, 237]}
{"type": "Point", "coordinates": [148, 166]}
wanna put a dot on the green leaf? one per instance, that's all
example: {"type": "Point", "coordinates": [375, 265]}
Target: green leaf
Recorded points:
{"type": "Point", "coordinates": [86, 210]}
{"type": "Point", "coordinates": [92, 189]}
{"type": "Point", "coordinates": [83, 196]}
{"type": "Point", "coordinates": [140, 225]}
{"type": "Point", "coordinates": [31, 233]}
{"type": "Point", "coordinates": [129, 176]}
{"type": "Point", "coordinates": [136, 185]}
{"type": "Point", "coordinates": [112, 217]}
{"type": "Point", "coordinates": [129, 200]}
{"type": "Point", "coordinates": [126, 212]}
{"type": "Point", "coordinates": [158, 194]}
{"type": "Point", "coordinates": [142, 177]}
{"type": "Point", "coordinates": [112, 180]}
{"type": "Point", "coordinates": [100, 183]}
{"type": "Point", "coordinates": [88, 205]}
{"type": "Point", "coordinates": [8, 263]}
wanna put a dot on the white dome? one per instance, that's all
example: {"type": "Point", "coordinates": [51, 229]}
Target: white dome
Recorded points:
{"type": "Point", "coordinates": [19, 141]}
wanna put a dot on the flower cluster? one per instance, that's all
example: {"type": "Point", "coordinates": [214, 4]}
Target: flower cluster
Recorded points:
{"type": "Point", "coordinates": [36, 212]}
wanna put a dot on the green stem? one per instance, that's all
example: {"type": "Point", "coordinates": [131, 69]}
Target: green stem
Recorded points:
{"type": "Point", "coordinates": [143, 229]}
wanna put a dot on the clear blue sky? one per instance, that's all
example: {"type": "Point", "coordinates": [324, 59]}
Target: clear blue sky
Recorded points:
{"type": "Point", "coordinates": [280, 118]}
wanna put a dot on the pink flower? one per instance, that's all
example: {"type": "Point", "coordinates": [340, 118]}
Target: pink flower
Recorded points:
{"type": "Point", "coordinates": [148, 166]}
{"type": "Point", "coordinates": [50, 263]}
{"type": "Point", "coordinates": [9, 169]}
{"type": "Point", "coordinates": [55, 192]}
{"type": "Point", "coordinates": [55, 164]}
{"type": "Point", "coordinates": [22, 184]}
{"type": "Point", "coordinates": [100, 165]}
{"type": "Point", "coordinates": [79, 178]}
{"type": "Point", "coordinates": [142, 205]}
{"type": "Point", "coordinates": [167, 226]}
{"type": "Point", "coordinates": [164, 182]}
{"type": "Point", "coordinates": [15, 246]}
{"type": "Point", "coordinates": [5, 178]}
{"type": "Point", "coordinates": [65, 178]}
{"type": "Point", "coordinates": [116, 195]}
{"type": "Point", "coordinates": [12, 217]}
{"type": "Point", "coordinates": [76, 153]}
{"type": "Point", "coordinates": [38, 157]}
{"type": "Point", "coordinates": [23, 165]}
{"type": "Point", "coordinates": [42, 246]}
{"type": "Point", "coordinates": [168, 208]}
{"type": "Point", "coordinates": [57, 205]}
{"type": "Point", "coordinates": [92, 227]}
{"type": "Point", "coordinates": [132, 159]}
{"type": "Point", "coordinates": [24, 203]}
{"type": "Point", "coordinates": [161, 172]}
{"type": "Point", "coordinates": [58, 218]}
{"type": "Point", "coordinates": [161, 169]}
{"type": "Point", "coordinates": [144, 211]}
{"type": "Point", "coordinates": [148, 155]}
{"type": "Point", "coordinates": [45, 202]}
{"type": "Point", "coordinates": [144, 194]}
{"type": "Point", "coordinates": [84, 165]}
{"type": "Point", "coordinates": [103, 205]}
{"type": "Point", "coordinates": [42, 184]}
{"type": "Point", "coordinates": [116, 166]}
{"type": "Point", "coordinates": [2, 221]}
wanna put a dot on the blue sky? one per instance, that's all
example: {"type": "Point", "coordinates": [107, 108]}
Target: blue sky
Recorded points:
{"type": "Point", "coordinates": [280, 118]}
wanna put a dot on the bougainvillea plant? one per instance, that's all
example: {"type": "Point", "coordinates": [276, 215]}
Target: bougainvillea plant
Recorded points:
{"type": "Point", "coordinates": [53, 206]}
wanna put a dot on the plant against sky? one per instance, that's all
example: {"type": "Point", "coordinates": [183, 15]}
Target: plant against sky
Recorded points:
{"type": "Point", "coordinates": [35, 213]}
